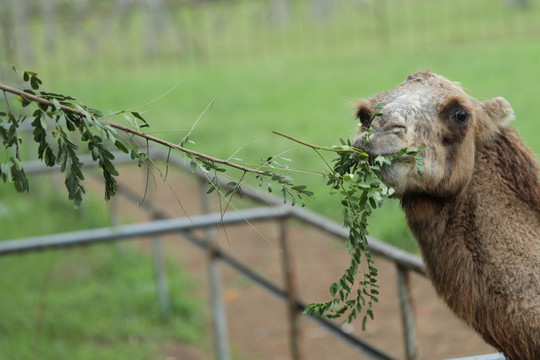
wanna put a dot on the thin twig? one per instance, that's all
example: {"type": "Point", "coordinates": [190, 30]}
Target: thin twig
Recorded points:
{"type": "Point", "coordinates": [196, 122]}
{"type": "Point", "coordinates": [316, 147]}
{"type": "Point", "coordinates": [7, 102]}
{"type": "Point", "coordinates": [296, 140]}
{"type": "Point", "coordinates": [144, 105]}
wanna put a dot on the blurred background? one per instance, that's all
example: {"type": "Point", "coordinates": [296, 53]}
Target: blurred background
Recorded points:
{"type": "Point", "coordinates": [296, 66]}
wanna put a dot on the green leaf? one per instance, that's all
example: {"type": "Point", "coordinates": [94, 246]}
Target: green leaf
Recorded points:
{"type": "Point", "coordinates": [35, 82]}
{"type": "Point", "coordinates": [20, 181]}
{"type": "Point", "coordinates": [16, 163]}
{"type": "Point", "coordinates": [119, 145]}
{"type": "Point", "coordinates": [193, 166]}
{"type": "Point", "coordinates": [334, 289]}
{"type": "Point", "coordinates": [95, 112]}
{"type": "Point", "coordinates": [138, 116]}
{"type": "Point", "coordinates": [24, 101]}
{"type": "Point", "coordinates": [369, 312]}
{"type": "Point", "coordinates": [43, 122]}
{"type": "Point", "coordinates": [50, 159]}
{"type": "Point", "coordinates": [57, 105]}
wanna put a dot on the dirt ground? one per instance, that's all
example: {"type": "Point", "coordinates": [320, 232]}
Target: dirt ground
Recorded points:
{"type": "Point", "coordinates": [257, 321]}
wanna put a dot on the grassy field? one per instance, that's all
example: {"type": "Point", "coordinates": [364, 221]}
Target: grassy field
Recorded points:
{"type": "Point", "coordinates": [91, 303]}
{"type": "Point", "coordinates": [300, 78]}
{"type": "Point", "coordinates": [85, 303]}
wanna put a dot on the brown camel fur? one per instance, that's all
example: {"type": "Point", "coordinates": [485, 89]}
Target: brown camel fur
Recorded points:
{"type": "Point", "coordinates": [475, 212]}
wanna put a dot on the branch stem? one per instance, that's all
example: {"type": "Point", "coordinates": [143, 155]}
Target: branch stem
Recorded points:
{"type": "Point", "coordinates": [316, 147]}
{"type": "Point", "coordinates": [134, 132]}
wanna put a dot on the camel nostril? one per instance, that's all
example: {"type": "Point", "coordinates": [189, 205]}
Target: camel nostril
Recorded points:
{"type": "Point", "coordinates": [365, 117]}
{"type": "Point", "coordinates": [392, 127]}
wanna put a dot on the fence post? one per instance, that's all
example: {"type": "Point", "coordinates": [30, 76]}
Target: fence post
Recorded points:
{"type": "Point", "coordinates": [115, 220]}
{"type": "Point", "coordinates": [292, 292]}
{"type": "Point", "coordinates": [407, 313]}
{"type": "Point", "coordinates": [221, 334]}
{"type": "Point", "coordinates": [161, 278]}
{"type": "Point", "coordinates": [159, 269]}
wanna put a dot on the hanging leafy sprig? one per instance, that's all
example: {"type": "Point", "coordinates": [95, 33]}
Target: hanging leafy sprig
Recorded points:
{"type": "Point", "coordinates": [60, 125]}
{"type": "Point", "coordinates": [12, 169]}
{"type": "Point", "coordinates": [355, 176]}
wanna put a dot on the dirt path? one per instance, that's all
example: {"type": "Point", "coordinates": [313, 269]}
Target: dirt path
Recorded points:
{"type": "Point", "coordinates": [258, 322]}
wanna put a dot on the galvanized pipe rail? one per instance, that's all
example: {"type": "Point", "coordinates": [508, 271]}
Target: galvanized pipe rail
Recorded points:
{"type": "Point", "coordinates": [309, 217]}
{"type": "Point", "coordinates": [282, 295]}
{"type": "Point", "coordinates": [404, 261]}
{"type": "Point", "coordinates": [265, 284]}
{"type": "Point", "coordinates": [183, 226]}
{"type": "Point", "coordinates": [123, 232]}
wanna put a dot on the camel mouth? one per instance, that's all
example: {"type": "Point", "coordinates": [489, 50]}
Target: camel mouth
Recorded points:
{"type": "Point", "coordinates": [386, 140]}
{"type": "Point", "coordinates": [386, 143]}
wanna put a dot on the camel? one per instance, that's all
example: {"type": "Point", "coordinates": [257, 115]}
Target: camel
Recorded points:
{"type": "Point", "coordinates": [475, 209]}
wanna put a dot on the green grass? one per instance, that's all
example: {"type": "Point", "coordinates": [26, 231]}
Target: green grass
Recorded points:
{"type": "Point", "coordinates": [86, 303]}
{"type": "Point", "coordinates": [300, 78]}
{"type": "Point", "coordinates": [90, 303]}
{"type": "Point", "coordinates": [46, 210]}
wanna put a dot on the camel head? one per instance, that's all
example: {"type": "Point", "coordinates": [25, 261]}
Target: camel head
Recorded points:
{"type": "Point", "coordinates": [427, 110]}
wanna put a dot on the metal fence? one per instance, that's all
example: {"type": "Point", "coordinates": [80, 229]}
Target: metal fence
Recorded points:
{"type": "Point", "coordinates": [405, 263]}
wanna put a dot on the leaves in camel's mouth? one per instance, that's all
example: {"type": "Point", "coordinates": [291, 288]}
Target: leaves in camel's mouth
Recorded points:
{"type": "Point", "coordinates": [356, 177]}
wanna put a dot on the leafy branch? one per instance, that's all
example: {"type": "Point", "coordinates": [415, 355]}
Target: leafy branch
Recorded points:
{"type": "Point", "coordinates": [60, 124]}
{"type": "Point", "coordinates": [57, 117]}
{"type": "Point", "coordinates": [355, 176]}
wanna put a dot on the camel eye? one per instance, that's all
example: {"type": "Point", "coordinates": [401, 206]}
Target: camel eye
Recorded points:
{"type": "Point", "coordinates": [461, 116]}
{"type": "Point", "coordinates": [455, 112]}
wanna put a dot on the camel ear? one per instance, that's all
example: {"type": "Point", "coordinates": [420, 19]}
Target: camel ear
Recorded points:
{"type": "Point", "coordinates": [497, 114]}
{"type": "Point", "coordinates": [499, 111]}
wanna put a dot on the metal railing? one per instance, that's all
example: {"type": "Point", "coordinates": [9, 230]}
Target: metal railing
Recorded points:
{"type": "Point", "coordinates": [275, 211]}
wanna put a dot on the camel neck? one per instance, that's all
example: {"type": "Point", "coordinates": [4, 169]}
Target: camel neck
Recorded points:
{"type": "Point", "coordinates": [481, 246]}
{"type": "Point", "coordinates": [503, 191]}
